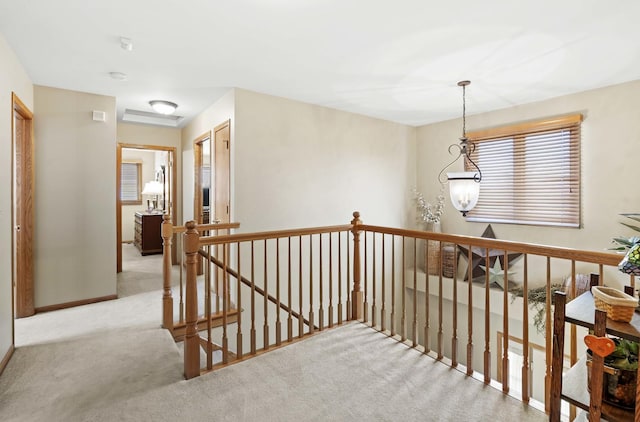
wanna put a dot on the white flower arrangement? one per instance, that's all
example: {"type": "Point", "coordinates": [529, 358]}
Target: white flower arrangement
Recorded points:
{"type": "Point", "coordinates": [427, 212]}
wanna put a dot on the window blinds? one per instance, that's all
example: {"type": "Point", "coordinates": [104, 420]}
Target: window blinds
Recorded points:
{"type": "Point", "coordinates": [530, 173]}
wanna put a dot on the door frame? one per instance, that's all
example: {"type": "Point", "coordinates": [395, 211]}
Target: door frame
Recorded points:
{"type": "Point", "coordinates": [22, 211]}
{"type": "Point", "coordinates": [197, 177]}
{"type": "Point", "coordinates": [174, 202]}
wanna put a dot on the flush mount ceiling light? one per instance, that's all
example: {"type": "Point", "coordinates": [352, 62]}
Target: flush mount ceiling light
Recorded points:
{"type": "Point", "coordinates": [163, 107]}
{"type": "Point", "coordinates": [464, 187]}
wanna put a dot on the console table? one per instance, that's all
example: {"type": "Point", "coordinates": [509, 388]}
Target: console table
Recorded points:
{"type": "Point", "coordinates": [148, 235]}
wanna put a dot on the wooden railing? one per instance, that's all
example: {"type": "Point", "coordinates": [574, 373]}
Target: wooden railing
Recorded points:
{"type": "Point", "coordinates": [384, 281]}
{"type": "Point", "coordinates": [173, 314]}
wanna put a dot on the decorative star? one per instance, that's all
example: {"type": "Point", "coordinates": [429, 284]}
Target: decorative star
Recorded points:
{"type": "Point", "coordinates": [496, 274]}
{"type": "Point", "coordinates": [478, 256]}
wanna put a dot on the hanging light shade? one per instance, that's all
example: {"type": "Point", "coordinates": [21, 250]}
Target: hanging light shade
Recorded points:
{"type": "Point", "coordinates": [464, 187]}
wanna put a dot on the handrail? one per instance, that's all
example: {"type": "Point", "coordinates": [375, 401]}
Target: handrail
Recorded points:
{"type": "Point", "coordinates": [594, 257]}
{"type": "Point", "coordinates": [275, 234]}
{"type": "Point", "coordinates": [205, 227]}
{"type": "Point", "coordinates": [248, 283]}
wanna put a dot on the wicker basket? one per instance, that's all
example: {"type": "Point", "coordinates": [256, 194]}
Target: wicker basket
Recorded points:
{"type": "Point", "coordinates": [618, 305]}
{"type": "Point", "coordinates": [433, 257]}
{"type": "Point", "coordinates": [448, 259]}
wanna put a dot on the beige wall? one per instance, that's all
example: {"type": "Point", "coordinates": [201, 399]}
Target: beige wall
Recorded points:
{"type": "Point", "coordinates": [217, 113]}
{"type": "Point", "coordinates": [135, 134]}
{"type": "Point", "coordinates": [75, 250]}
{"type": "Point", "coordinates": [13, 78]}
{"type": "Point", "coordinates": [301, 165]}
{"type": "Point", "coordinates": [609, 164]}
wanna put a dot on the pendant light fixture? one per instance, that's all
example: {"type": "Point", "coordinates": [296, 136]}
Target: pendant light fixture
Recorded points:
{"type": "Point", "coordinates": [464, 187]}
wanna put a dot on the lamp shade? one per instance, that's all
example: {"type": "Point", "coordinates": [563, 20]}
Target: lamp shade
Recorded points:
{"type": "Point", "coordinates": [153, 188]}
{"type": "Point", "coordinates": [464, 189]}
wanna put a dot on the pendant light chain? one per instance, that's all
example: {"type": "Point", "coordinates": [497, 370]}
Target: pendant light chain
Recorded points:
{"type": "Point", "coordinates": [464, 111]}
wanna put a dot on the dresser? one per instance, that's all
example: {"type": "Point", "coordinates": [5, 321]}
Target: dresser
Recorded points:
{"type": "Point", "coordinates": [148, 234]}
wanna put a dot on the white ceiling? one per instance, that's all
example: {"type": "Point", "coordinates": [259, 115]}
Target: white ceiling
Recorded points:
{"type": "Point", "coordinates": [396, 60]}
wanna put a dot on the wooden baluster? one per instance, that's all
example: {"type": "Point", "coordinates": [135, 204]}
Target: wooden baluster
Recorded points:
{"type": "Point", "coordinates": [252, 333]}
{"type": "Point", "coordinates": [320, 287]}
{"type": "Point", "coordinates": [167, 299]}
{"type": "Point", "coordinates": [239, 351]}
{"type": "Point", "coordinates": [265, 330]}
{"type": "Point", "coordinates": [300, 290]}
{"type": "Point", "coordinates": [440, 305]}
{"type": "Point", "coordinates": [225, 305]}
{"type": "Point", "coordinates": [207, 304]}
{"type": "Point", "coordinates": [403, 314]}
{"type": "Point", "coordinates": [330, 310]}
{"type": "Point", "coordinates": [470, 313]}
{"type": "Point", "coordinates": [383, 316]}
{"type": "Point", "coordinates": [374, 310]}
{"type": "Point", "coordinates": [340, 315]}
{"type": "Point", "coordinates": [289, 292]}
{"type": "Point", "coordinates": [191, 341]}
{"type": "Point", "coordinates": [278, 321]}
{"type": "Point", "coordinates": [573, 353]}
{"type": "Point", "coordinates": [454, 336]}
{"type": "Point", "coordinates": [182, 281]}
{"type": "Point", "coordinates": [427, 300]}
{"type": "Point", "coordinates": [553, 400]}
{"type": "Point", "coordinates": [505, 325]}
{"type": "Point", "coordinates": [356, 294]}
{"type": "Point", "coordinates": [366, 282]}
{"type": "Point", "coordinates": [525, 332]}
{"type": "Point", "coordinates": [348, 286]}
{"type": "Point", "coordinates": [392, 318]}
{"type": "Point", "coordinates": [414, 326]}
{"type": "Point", "coordinates": [487, 320]}
{"type": "Point", "coordinates": [311, 316]}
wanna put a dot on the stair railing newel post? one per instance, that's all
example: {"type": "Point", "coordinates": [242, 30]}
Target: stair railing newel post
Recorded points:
{"type": "Point", "coordinates": [167, 299]}
{"type": "Point", "coordinates": [356, 294]}
{"type": "Point", "coordinates": [191, 340]}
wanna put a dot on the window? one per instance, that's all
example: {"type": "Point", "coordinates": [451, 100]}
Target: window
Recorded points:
{"type": "Point", "coordinates": [530, 173]}
{"type": "Point", "coordinates": [130, 184]}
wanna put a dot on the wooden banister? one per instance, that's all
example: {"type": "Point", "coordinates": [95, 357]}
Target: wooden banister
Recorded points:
{"type": "Point", "coordinates": [192, 340]}
{"type": "Point", "coordinates": [356, 294]}
{"type": "Point", "coordinates": [248, 283]}
{"type": "Point", "coordinates": [167, 299]}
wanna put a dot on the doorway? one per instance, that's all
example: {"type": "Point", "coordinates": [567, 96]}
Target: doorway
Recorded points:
{"type": "Point", "coordinates": [163, 172]}
{"type": "Point", "coordinates": [22, 212]}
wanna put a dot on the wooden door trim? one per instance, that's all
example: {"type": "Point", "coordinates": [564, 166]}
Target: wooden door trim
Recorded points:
{"type": "Point", "coordinates": [197, 163]}
{"type": "Point", "coordinates": [174, 187]}
{"type": "Point", "coordinates": [22, 290]}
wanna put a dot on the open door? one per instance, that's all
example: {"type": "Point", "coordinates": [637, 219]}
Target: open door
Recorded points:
{"type": "Point", "coordinates": [168, 197]}
{"type": "Point", "coordinates": [22, 199]}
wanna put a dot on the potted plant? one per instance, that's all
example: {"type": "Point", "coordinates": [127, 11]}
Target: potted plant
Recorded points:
{"type": "Point", "coordinates": [620, 374]}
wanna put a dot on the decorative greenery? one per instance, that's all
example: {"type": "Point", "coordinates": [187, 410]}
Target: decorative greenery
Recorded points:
{"type": "Point", "coordinates": [624, 356]}
{"type": "Point", "coordinates": [625, 243]}
{"type": "Point", "coordinates": [427, 212]}
{"type": "Point", "coordinates": [537, 298]}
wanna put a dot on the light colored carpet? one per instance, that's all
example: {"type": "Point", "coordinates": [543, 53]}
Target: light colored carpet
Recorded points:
{"type": "Point", "coordinates": [111, 362]}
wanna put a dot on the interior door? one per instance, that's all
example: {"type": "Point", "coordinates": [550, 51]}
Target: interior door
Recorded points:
{"type": "Point", "coordinates": [22, 198]}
